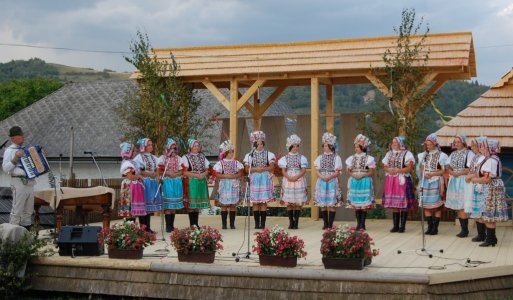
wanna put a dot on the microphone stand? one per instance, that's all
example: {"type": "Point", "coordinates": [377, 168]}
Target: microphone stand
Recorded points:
{"type": "Point", "coordinates": [247, 221]}
{"type": "Point", "coordinates": [421, 207]}
{"type": "Point", "coordinates": [162, 213]}
{"type": "Point", "coordinates": [98, 167]}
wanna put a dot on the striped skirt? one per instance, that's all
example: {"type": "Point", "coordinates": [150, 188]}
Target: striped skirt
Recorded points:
{"type": "Point", "coordinates": [294, 192]}
{"type": "Point", "coordinates": [131, 199]}
{"type": "Point", "coordinates": [152, 196]}
{"type": "Point", "coordinates": [456, 193]}
{"type": "Point", "coordinates": [326, 192]}
{"type": "Point", "coordinates": [467, 199]}
{"type": "Point", "coordinates": [229, 191]}
{"type": "Point", "coordinates": [478, 200]}
{"type": "Point", "coordinates": [360, 193]}
{"type": "Point", "coordinates": [397, 195]}
{"type": "Point", "coordinates": [495, 209]}
{"type": "Point", "coordinates": [172, 193]}
{"type": "Point", "coordinates": [261, 189]}
{"type": "Point", "coordinates": [198, 193]}
{"type": "Point", "coordinates": [431, 193]}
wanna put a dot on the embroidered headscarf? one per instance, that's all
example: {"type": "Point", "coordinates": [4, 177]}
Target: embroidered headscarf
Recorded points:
{"type": "Point", "coordinates": [462, 138]}
{"type": "Point", "coordinates": [143, 143]}
{"type": "Point", "coordinates": [493, 146]}
{"type": "Point", "coordinates": [191, 142]}
{"type": "Point", "coordinates": [293, 140]}
{"type": "Point", "coordinates": [225, 147]}
{"type": "Point", "coordinates": [362, 140]}
{"type": "Point", "coordinates": [168, 149]}
{"type": "Point", "coordinates": [257, 136]}
{"type": "Point", "coordinates": [400, 141]}
{"type": "Point", "coordinates": [127, 150]}
{"type": "Point", "coordinates": [433, 139]}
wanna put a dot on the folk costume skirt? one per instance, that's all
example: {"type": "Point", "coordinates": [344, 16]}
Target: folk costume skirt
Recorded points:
{"type": "Point", "coordinates": [360, 193]}
{"type": "Point", "coordinates": [198, 193]}
{"type": "Point", "coordinates": [495, 209]}
{"type": "Point", "coordinates": [431, 192]}
{"type": "Point", "coordinates": [172, 193]}
{"type": "Point", "coordinates": [478, 200]}
{"type": "Point", "coordinates": [326, 192]}
{"type": "Point", "coordinates": [294, 192]}
{"type": "Point", "coordinates": [261, 189]}
{"type": "Point", "coordinates": [398, 193]}
{"type": "Point", "coordinates": [131, 199]}
{"type": "Point", "coordinates": [229, 191]}
{"type": "Point", "coordinates": [152, 196]}
{"type": "Point", "coordinates": [456, 193]}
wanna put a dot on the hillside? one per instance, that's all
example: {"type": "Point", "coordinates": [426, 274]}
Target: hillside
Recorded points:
{"type": "Point", "coordinates": [76, 74]}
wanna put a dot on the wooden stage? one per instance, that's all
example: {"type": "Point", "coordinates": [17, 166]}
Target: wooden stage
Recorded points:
{"type": "Point", "coordinates": [464, 270]}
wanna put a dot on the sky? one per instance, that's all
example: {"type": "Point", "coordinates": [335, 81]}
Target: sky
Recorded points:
{"type": "Point", "coordinates": [109, 26]}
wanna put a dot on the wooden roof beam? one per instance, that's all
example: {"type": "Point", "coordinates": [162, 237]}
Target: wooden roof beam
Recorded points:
{"type": "Point", "coordinates": [217, 93]}
{"type": "Point", "coordinates": [379, 85]}
{"type": "Point", "coordinates": [249, 92]}
{"type": "Point", "coordinates": [270, 100]}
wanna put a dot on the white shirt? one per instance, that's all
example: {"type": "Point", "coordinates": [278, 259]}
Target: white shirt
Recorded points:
{"type": "Point", "coordinates": [7, 164]}
{"type": "Point", "coordinates": [219, 169]}
{"type": "Point", "coordinates": [270, 157]}
{"type": "Point", "coordinates": [185, 161]}
{"type": "Point", "coordinates": [282, 162]}
{"type": "Point", "coordinates": [490, 166]}
{"type": "Point", "coordinates": [338, 163]}
{"type": "Point", "coordinates": [371, 163]}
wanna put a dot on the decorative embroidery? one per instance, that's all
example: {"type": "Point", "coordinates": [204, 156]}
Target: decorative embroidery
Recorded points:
{"type": "Point", "coordinates": [293, 161]}
{"type": "Point", "coordinates": [150, 163]}
{"type": "Point", "coordinates": [431, 161]}
{"type": "Point", "coordinates": [359, 162]}
{"type": "Point", "coordinates": [459, 159]}
{"type": "Point", "coordinates": [260, 159]}
{"type": "Point", "coordinates": [396, 159]}
{"type": "Point", "coordinates": [196, 162]}
{"type": "Point", "coordinates": [328, 162]}
{"type": "Point", "coordinates": [229, 166]}
{"type": "Point", "coordinates": [474, 166]}
{"type": "Point", "coordinates": [173, 163]}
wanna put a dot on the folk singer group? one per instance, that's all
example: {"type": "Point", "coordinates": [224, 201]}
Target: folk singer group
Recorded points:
{"type": "Point", "coordinates": [474, 190]}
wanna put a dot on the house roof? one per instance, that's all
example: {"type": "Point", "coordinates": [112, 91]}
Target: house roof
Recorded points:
{"type": "Point", "coordinates": [88, 107]}
{"type": "Point", "coordinates": [451, 56]}
{"type": "Point", "coordinates": [490, 115]}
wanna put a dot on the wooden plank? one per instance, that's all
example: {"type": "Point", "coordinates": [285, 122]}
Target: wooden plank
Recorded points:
{"type": "Point", "coordinates": [379, 85]}
{"type": "Point", "coordinates": [330, 108]}
{"type": "Point", "coordinates": [234, 96]}
{"type": "Point", "coordinates": [217, 93]}
{"type": "Point", "coordinates": [270, 100]}
{"type": "Point", "coordinates": [314, 113]}
{"type": "Point", "coordinates": [249, 92]}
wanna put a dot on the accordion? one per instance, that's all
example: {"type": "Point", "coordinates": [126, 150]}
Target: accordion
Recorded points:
{"type": "Point", "coordinates": [34, 162]}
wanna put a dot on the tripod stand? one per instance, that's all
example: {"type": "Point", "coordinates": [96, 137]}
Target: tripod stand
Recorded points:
{"type": "Point", "coordinates": [423, 249]}
{"type": "Point", "coordinates": [247, 219]}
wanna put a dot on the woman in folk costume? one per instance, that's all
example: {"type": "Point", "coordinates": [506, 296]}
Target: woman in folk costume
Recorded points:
{"type": "Point", "coordinates": [229, 171]}
{"type": "Point", "coordinates": [459, 161]}
{"type": "Point", "coordinates": [172, 187]}
{"type": "Point", "coordinates": [131, 198]}
{"type": "Point", "coordinates": [260, 164]}
{"type": "Point", "coordinates": [495, 209]}
{"type": "Point", "coordinates": [360, 190]}
{"type": "Point", "coordinates": [432, 186]}
{"type": "Point", "coordinates": [195, 166]}
{"type": "Point", "coordinates": [398, 194]}
{"type": "Point", "coordinates": [328, 166]}
{"type": "Point", "coordinates": [474, 199]}
{"type": "Point", "coordinates": [293, 166]}
{"type": "Point", "coordinates": [148, 163]}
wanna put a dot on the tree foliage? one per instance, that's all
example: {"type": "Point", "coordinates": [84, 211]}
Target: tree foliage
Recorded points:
{"type": "Point", "coordinates": [163, 105]}
{"type": "Point", "coordinates": [27, 69]}
{"type": "Point", "coordinates": [18, 94]}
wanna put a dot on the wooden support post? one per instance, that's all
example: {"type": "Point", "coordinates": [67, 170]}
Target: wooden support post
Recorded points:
{"type": "Point", "coordinates": [234, 96]}
{"type": "Point", "coordinates": [314, 121]}
{"type": "Point", "coordinates": [330, 122]}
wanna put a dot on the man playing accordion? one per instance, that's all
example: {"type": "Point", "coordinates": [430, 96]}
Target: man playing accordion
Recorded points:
{"type": "Point", "coordinates": [22, 187]}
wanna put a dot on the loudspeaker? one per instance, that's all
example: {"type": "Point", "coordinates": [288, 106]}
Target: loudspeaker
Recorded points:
{"type": "Point", "coordinates": [80, 241]}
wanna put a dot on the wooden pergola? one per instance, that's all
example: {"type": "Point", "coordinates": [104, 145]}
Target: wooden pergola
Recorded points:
{"type": "Point", "coordinates": [326, 62]}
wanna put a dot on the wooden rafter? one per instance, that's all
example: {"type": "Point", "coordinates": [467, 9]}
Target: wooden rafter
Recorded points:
{"type": "Point", "coordinates": [270, 100]}
{"type": "Point", "coordinates": [249, 92]}
{"type": "Point", "coordinates": [217, 93]}
{"type": "Point", "coordinates": [379, 85]}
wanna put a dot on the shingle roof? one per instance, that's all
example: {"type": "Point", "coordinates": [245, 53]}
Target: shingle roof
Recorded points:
{"type": "Point", "coordinates": [88, 108]}
{"type": "Point", "coordinates": [490, 115]}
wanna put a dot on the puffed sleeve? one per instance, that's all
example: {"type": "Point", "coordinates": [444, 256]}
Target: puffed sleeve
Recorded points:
{"type": "Point", "coordinates": [386, 158]}
{"type": "Point", "coordinates": [126, 167]}
{"type": "Point", "coordinates": [470, 156]}
{"type": "Point", "coordinates": [317, 162]}
{"type": "Point", "coordinates": [160, 161]}
{"type": "Point", "coordinates": [409, 158]}
{"type": "Point", "coordinates": [239, 166]}
{"type": "Point", "coordinates": [246, 159]}
{"type": "Point", "coordinates": [304, 162]}
{"type": "Point", "coordinates": [490, 166]}
{"type": "Point", "coordinates": [444, 159]}
{"type": "Point", "coordinates": [139, 162]}
{"type": "Point", "coordinates": [371, 162]}
{"type": "Point", "coordinates": [282, 162]}
{"type": "Point", "coordinates": [185, 162]}
{"type": "Point", "coordinates": [271, 157]}
{"type": "Point", "coordinates": [207, 163]}
{"type": "Point", "coordinates": [217, 167]}
{"type": "Point", "coordinates": [349, 162]}
{"type": "Point", "coordinates": [338, 163]}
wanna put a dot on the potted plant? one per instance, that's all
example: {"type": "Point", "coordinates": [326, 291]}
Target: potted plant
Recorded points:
{"type": "Point", "coordinates": [126, 240]}
{"type": "Point", "coordinates": [344, 247]}
{"type": "Point", "coordinates": [276, 247]}
{"type": "Point", "coordinates": [196, 244]}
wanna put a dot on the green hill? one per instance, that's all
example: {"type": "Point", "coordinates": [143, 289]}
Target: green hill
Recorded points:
{"type": "Point", "coordinates": [75, 74]}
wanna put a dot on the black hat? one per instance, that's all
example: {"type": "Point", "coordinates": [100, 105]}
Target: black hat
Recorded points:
{"type": "Point", "coordinates": [15, 130]}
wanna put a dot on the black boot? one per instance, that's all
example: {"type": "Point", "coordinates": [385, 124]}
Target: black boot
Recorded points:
{"type": "Point", "coordinates": [491, 239]}
{"type": "Point", "coordinates": [403, 216]}
{"type": "Point", "coordinates": [363, 217]}
{"type": "Point", "coordinates": [357, 215]}
{"type": "Point", "coordinates": [170, 222]}
{"type": "Point", "coordinates": [430, 224]}
{"type": "Point", "coordinates": [191, 218]}
{"type": "Point", "coordinates": [291, 218]}
{"type": "Point", "coordinates": [142, 220]}
{"type": "Point", "coordinates": [196, 218]}
{"type": "Point", "coordinates": [224, 217]}
{"type": "Point", "coordinates": [331, 218]}
{"type": "Point", "coordinates": [436, 222]}
{"type": "Point", "coordinates": [481, 233]}
{"type": "Point", "coordinates": [324, 216]}
{"type": "Point", "coordinates": [256, 216]}
{"type": "Point", "coordinates": [297, 213]}
{"type": "Point", "coordinates": [464, 228]}
{"type": "Point", "coordinates": [395, 220]}
{"type": "Point", "coordinates": [263, 216]}
{"type": "Point", "coordinates": [232, 219]}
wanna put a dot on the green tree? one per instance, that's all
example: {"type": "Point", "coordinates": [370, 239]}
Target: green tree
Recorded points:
{"type": "Point", "coordinates": [163, 105]}
{"type": "Point", "coordinates": [18, 94]}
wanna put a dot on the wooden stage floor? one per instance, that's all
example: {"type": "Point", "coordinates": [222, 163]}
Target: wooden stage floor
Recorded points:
{"type": "Point", "coordinates": [461, 263]}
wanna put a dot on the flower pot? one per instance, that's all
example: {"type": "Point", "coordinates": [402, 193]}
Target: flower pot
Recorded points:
{"type": "Point", "coordinates": [278, 261]}
{"type": "Point", "coordinates": [343, 263]}
{"type": "Point", "coordinates": [125, 253]}
{"type": "Point", "coordinates": [197, 257]}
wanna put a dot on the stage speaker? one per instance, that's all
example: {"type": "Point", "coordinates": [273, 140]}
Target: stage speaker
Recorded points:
{"type": "Point", "coordinates": [79, 241]}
